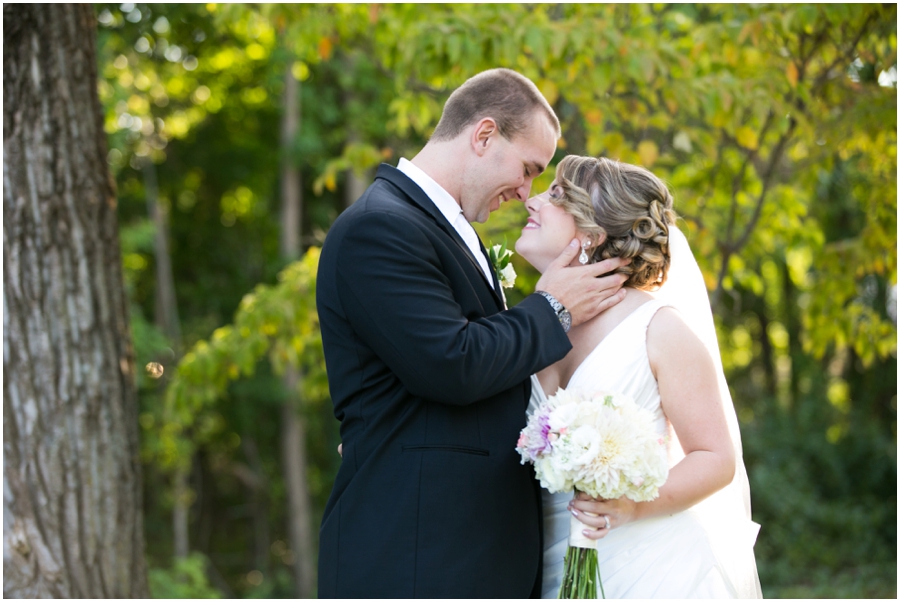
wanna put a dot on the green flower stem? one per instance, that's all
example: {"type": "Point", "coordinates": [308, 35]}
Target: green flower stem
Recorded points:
{"type": "Point", "coordinates": [581, 575]}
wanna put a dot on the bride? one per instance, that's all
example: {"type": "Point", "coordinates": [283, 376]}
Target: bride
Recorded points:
{"type": "Point", "coordinates": [659, 347]}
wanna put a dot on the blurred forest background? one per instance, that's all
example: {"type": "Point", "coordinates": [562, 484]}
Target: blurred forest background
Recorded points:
{"type": "Point", "coordinates": [237, 134]}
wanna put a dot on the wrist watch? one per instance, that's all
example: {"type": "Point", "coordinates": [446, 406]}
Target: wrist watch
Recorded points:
{"type": "Point", "coordinates": [565, 318]}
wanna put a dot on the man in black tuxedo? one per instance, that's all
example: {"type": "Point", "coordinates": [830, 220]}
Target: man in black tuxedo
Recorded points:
{"type": "Point", "coordinates": [429, 375]}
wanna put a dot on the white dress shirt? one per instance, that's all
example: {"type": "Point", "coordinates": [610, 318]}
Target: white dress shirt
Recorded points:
{"type": "Point", "coordinates": [450, 209]}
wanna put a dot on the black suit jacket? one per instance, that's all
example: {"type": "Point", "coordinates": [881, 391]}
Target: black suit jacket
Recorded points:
{"type": "Point", "coordinates": [430, 380]}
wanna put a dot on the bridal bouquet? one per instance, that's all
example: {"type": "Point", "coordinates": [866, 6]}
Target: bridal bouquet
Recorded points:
{"type": "Point", "coordinates": [602, 444]}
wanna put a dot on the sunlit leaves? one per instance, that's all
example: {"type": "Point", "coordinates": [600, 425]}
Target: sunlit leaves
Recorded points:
{"type": "Point", "coordinates": [738, 107]}
{"type": "Point", "coordinates": [239, 203]}
{"type": "Point", "coordinates": [357, 157]}
{"type": "Point", "coordinates": [792, 74]}
{"type": "Point", "coordinates": [278, 323]}
{"type": "Point", "coordinates": [648, 152]}
{"type": "Point", "coordinates": [300, 71]}
{"type": "Point", "coordinates": [170, 76]}
{"type": "Point", "coordinates": [747, 138]}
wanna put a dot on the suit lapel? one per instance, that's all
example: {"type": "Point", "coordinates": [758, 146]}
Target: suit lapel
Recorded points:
{"type": "Point", "coordinates": [419, 198]}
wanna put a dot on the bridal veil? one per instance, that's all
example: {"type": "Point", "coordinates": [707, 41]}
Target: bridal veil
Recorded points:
{"type": "Point", "coordinates": [725, 514]}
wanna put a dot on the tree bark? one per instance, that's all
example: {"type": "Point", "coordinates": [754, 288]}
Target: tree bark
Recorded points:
{"type": "Point", "coordinates": [293, 429]}
{"type": "Point", "coordinates": [72, 518]}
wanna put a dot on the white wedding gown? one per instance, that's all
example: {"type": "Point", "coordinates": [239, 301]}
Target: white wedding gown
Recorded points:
{"type": "Point", "coordinates": [703, 552]}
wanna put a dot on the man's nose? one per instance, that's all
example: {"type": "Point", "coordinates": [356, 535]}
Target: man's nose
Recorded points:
{"type": "Point", "coordinates": [523, 191]}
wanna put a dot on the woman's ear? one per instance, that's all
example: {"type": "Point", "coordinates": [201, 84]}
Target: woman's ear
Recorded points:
{"type": "Point", "coordinates": [584, 257]}
{"type": "Point", "coordinates": [593, 241]}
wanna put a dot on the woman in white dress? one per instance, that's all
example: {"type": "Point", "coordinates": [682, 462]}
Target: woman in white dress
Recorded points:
{"type": "Point", "coordinates": [658, 346]}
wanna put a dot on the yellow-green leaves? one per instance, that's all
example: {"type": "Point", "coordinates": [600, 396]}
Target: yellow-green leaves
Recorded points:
{"type": "Point", "coordinates": [278, 323]}
{"type": "Point", "coordinates": [648, 152]}
{"type": "Point", "coordinates": [747, 138]}
{"type": "Point", "coordinates": [357, 156]}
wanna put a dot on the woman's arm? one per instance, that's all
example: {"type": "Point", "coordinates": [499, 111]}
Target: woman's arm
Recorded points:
{"type": "Point", "coordinates": [690, 396]}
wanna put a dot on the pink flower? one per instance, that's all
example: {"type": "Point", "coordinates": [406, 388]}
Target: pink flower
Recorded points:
{"type": "Point", "coordinates": [523, 441]}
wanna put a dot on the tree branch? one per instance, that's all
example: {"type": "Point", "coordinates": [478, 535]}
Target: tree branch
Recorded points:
{"type": "Point", "coordinates": [750, 155]}
{"type": "Point", "coordinates": [846, 56]}
{"type": "Point", "coordinates": [729, 248]}
{"type": "Point", "coordinates": [767, 180]}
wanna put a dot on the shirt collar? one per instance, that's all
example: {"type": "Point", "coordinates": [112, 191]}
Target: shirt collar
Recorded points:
{"type": "Point", "coordinates": [442, 199]}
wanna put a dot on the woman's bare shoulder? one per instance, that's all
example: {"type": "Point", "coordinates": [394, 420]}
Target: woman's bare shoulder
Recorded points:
{"type": "Point", "coordinates": [670, 339]}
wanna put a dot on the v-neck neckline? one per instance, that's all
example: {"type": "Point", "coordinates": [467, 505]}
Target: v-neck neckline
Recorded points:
{"type": "Point", "coordinates": [605, 338]}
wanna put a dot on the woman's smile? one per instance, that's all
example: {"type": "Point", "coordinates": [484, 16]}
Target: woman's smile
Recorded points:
{"type": "Point", "coordinates": [531, 224]}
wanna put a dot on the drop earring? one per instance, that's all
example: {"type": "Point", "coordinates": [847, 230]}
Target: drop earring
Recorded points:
{"type": "Point", "coordinates": [583, 258]}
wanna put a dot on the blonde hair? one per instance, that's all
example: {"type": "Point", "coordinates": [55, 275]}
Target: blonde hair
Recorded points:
{"type": "Point", "coordinates": [629, 205]}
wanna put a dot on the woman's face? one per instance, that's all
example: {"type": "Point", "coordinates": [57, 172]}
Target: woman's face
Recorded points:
{"type": "Point", "coordinates": [548, 231]}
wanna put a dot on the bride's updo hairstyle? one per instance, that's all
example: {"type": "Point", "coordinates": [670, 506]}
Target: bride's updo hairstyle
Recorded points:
{"type": "Point", "coordinates": [628, 204]}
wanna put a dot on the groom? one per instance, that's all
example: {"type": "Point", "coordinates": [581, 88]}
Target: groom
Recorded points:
{"type": "Point", "coordinates": [429, 375]}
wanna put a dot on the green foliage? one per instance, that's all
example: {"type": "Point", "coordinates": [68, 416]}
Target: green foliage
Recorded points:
{"type": "Point", "coordinates": [774, 125]}
{"type": "Point", "coordinates": [279, 323]}
{"type": "Point", "coordinates": [827, 508]}
{"type": "Point", "coordinates": [186, 579]}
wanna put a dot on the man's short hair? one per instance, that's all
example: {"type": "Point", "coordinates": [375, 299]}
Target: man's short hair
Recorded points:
{"type": "Point", "coordinates": [510, 98]}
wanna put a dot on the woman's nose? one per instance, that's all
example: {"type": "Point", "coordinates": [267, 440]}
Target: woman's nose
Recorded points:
{"type": "Point", "coordinates": [535, 203]}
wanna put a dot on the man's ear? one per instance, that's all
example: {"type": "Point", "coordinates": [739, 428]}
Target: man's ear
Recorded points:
{"type": "Point", "coordinates": [483, 134]}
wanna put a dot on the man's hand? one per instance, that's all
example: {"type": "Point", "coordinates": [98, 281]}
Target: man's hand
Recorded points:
{"type": "Point", "coordinates": [580, 289]}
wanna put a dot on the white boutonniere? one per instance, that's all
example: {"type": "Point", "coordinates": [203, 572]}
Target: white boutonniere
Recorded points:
{"type": "Point", "coordinates": [500, 259]}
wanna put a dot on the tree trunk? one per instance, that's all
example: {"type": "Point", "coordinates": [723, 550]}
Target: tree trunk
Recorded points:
{"type": "Point", "coordinates": [181, 495]}
{"type": "Point", "coordinates": [257, 488]}
{"type": "Point", "coordinates": [166, 319]}
{"type": "Point", "coordinates": [355, 188]}
{"type": "Point", "coordinates": [767, 352]}
{"type": "Point", "coordinates": [793, 326]}
{"type": "Point", "coordinates": [293, 436]}
{"type": "Point", "coordinates": [72, 518]}
{"type": "Point", "coordinates": [291, 196]}
{"type": "Point", "coordinates": [293, 449]}
{"type": "Point", "coordinates": [354, 185]}
{"type": "Point", "coordinates": [166, 310]}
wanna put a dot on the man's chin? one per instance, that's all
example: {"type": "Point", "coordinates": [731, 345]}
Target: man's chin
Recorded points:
{"type": "Point", "coordinates": [483, 216]}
